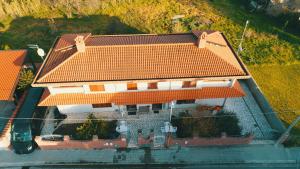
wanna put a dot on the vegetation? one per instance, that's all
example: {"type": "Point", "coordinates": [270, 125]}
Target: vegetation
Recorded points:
{"type": "Point", "coordinates": [223, 122]}
{"type": "Point", "coordinates": [87, 129]}
{"type": "Point", "coordinates": [280, 84]}
{"type": "Point", "coordinates": [93, 126]}
{"type": "Point", "coordinates": [271, 45]}
{"type": "Point", "coordinates": [25, 80]}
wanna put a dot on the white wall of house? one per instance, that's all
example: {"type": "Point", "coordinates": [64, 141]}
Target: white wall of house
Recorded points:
{"type": "Point", "coordinates": [226, 83]}
{"type": "Point", "coordinates": [176, 84]}
{"type": "Point", "coordinates": [84, 108]}
{"type": "Point", "coordinates": [163, 85]}
{"type": "Point", "coordinates": [121, 87]}
{"type": "Point", "coordinates": [142, 86]}
{"type": "Point", "coordinates": [207, 102]}
{"type": "Point", "coordinates": [57, 90]}
{"type": "Point", "coordinates": [109, 87]}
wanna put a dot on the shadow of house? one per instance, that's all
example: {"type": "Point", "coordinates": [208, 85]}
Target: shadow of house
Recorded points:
{"type": "Point", "coordinates": [29, 30]}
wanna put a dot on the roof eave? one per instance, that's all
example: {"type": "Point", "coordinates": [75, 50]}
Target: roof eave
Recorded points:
{"type": "Point", "coordinates": [237, 57]}
{"type": "Point", "coordinates": [47, 84]}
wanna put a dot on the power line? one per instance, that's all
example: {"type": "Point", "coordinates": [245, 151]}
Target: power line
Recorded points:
{"type": "Point", "coordinates": [132, 118]}
{"type": "Point", "coordinates": [203, 116]}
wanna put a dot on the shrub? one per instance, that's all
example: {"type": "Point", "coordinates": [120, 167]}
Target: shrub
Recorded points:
{"type": "Point", "coordinates": [26, 78]}
{"type": "Point", "coordinates": [207, 126]}
{"type": "Point", "coordinates": [87, 129]}
{"type": "Point", "coordinates": [107, 129]}
{"type": "Point", "coordinates": [93, 126]}
{"type": "Point", "coordinates": [228, 122]}
{"type": "Point", "coordinates": [184, 124]}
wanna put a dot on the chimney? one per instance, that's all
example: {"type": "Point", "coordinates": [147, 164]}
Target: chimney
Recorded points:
{"type": "Point", "coordinates": [202, 40]}
{"type": "Point", "coordinates": [80, 45]}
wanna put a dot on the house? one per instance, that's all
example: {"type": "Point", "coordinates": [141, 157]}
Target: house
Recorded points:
{"type": "Point", "coordinates": [11, 62]}
{"type": "Point", "coordinates": [86, 73]}
{"type": "Point", "coordinates": [144, 80]}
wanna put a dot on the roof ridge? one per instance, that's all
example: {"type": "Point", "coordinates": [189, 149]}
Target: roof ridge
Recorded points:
{"type": "Point", "coordinates": [153, 44]}
{"type": "Point", "coordinates": [142, 34]}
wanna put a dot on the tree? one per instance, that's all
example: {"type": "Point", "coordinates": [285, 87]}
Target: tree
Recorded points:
{"type": "Point", "coordinates": [87, 129]}
{"type": "Point", "coordinates": [26, 78]}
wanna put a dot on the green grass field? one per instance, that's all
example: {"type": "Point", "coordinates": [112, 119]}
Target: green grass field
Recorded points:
{"type": "Point", "coordinates": [272, 53]}
{"type": "Point", "coordinates": [281, 84]}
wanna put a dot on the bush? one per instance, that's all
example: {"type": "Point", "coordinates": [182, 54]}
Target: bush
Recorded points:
{"type": "Point", "coordinates": [93, 126]}
{"type": "Point", "coordinates": [184, 125]}
{"type": "Point", "coordinates": [213, 126]}
{"type": "Point", "coordinates": [227, 122]}
{"type": "Point", "coordinates": [87, 129]}
{"type": "Point", "coordinates": [25, 80]}
{"type": "Point", "coordinates": [206, 127]}
{"type": "Point", "coordinates": [107, 129]}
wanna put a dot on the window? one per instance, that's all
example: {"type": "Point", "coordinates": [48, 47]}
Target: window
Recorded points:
{"type": "Point", "coordinates": [156, 106]}
{"type": "Point", "coordinates": [131, 86]}
{"type": "Point", "coordinates": [131, 107]}
{"type": "Point", "coordinates": [185, 101]}
{"type": "Point", "coordinates": [101, 105]}
{"type": "Point", "coordinates": [189, 84]}
{"type": "Point", "coordinates": [152, 85]}
{"type": "Point", "coordinates": [97, 88]}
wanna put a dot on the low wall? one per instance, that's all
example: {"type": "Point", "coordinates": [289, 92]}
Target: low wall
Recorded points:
{"type": "Point", "coordinates": [67, 143]}
{"type": "Point", "coordinates": [198, 141]}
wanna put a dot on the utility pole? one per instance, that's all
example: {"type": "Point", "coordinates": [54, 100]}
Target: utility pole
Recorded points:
{"type": "Point", "coordinates": [171, 111]}
{"type": "Point", "coordinates": [240, 48]}
{"type": "Point", "coordinates": [286, 134]}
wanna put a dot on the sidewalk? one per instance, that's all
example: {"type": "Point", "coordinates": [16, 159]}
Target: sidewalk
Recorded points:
{"type": "Point", "coordinates": [252, 154]}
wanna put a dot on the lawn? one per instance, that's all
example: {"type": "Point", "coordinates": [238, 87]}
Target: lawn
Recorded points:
{"type": "Point", "coordinates": [281, 85]}
{"type": "Point", "coordinates": [271, 52]}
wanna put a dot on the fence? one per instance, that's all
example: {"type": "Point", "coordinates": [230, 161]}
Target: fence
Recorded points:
{"type": "Point", "coordinates": [67, 143]}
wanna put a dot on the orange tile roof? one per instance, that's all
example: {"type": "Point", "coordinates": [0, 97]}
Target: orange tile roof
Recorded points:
{"type": "Point", "coordinates": [11, 62]}
{"type": "Point", "coordinates": [145, 97]}
{"type": "Point", "coordinates": [139, 57]}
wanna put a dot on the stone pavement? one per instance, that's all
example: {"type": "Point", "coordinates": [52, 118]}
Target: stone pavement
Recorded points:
{"type": "Point", "coordinates": [251, 117]}
{"type": "Point", "coordinates": [251, 154]}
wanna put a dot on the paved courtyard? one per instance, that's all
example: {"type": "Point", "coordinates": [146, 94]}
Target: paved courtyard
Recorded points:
{"type": "Point", "coordinates": [251, 117]}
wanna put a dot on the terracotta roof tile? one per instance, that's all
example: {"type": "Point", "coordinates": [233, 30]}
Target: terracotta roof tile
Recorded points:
{"type": "Point", "coordinates": [142, 57]}
{"type": "Point", "coordinates": [146, 97]}
{"type": "Point", "coordinates": [11, 62]}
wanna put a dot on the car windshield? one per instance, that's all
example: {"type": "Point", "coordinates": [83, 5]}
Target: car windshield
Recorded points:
{"type": "Point", "coordinates": [21, 137]}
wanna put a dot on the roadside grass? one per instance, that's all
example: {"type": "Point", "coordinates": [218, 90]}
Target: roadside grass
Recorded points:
{"type": "Point", "coordinates": [281, 85]}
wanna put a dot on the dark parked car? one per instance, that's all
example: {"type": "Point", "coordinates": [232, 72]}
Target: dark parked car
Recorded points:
{"type": "Point", "coordinates": [21, 131]}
